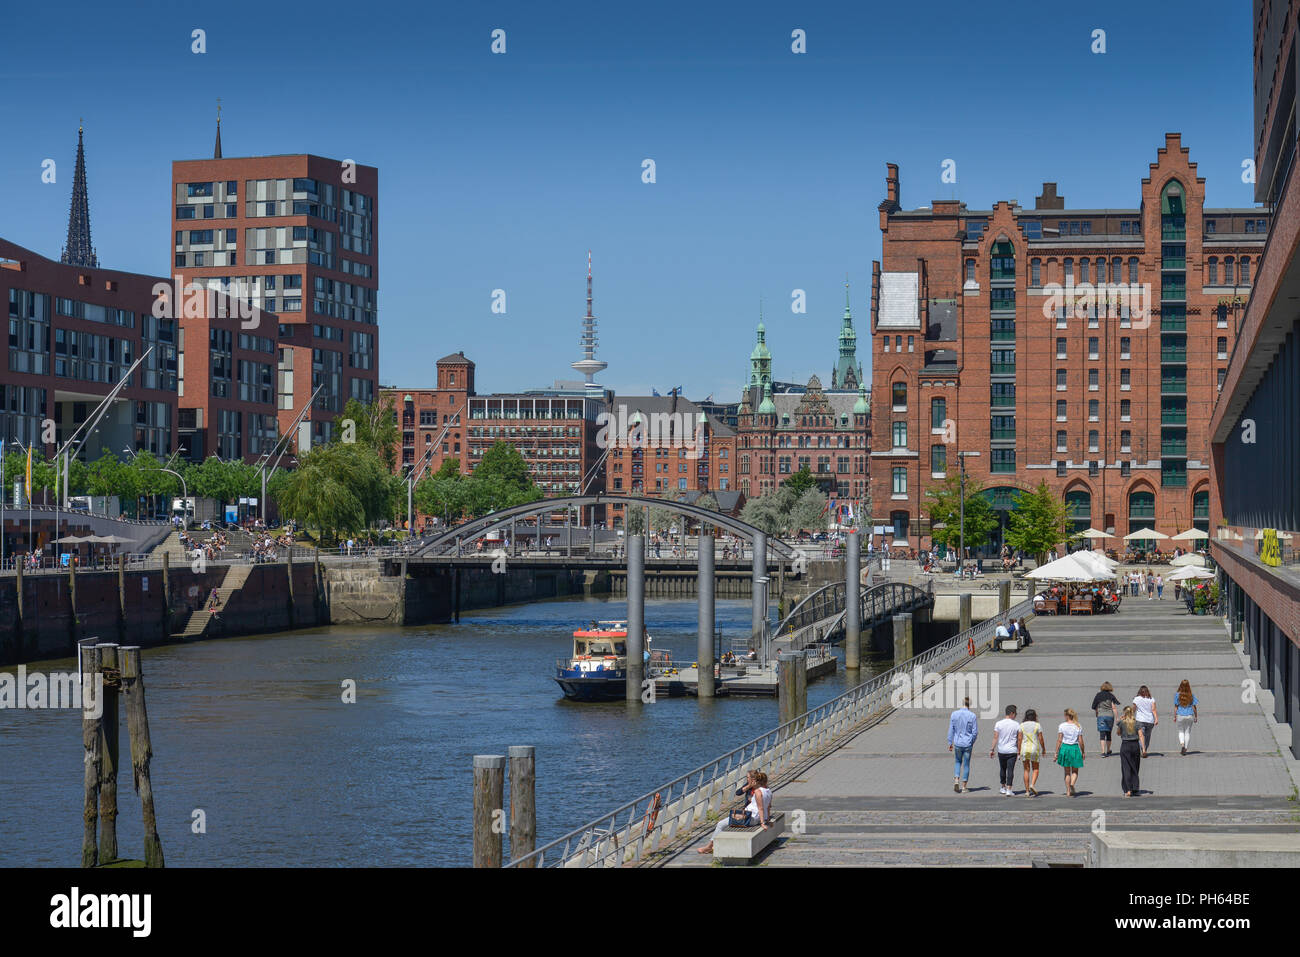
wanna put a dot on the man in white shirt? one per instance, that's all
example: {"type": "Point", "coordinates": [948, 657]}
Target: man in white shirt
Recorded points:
{"type": "Point", "coordinates": [1003, 631]}
{"type": "Point", "coordinates": [1004, 745]}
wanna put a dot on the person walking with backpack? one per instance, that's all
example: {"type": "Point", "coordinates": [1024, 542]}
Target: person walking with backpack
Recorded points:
{"type": "Point", "coordinates": [963, 729]}
{"type": "Point", "coordinates": [1104, 703]}
{"type": "Point", "coordinates": [1005, 735]}
{"type": "Point", "coordinates": [1185, 714]}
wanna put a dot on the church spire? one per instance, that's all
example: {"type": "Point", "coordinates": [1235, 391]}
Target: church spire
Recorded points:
{"type": "Point", "coordinates": [847, 374]}
{"type": "Point", "coordinates": [216, 150]}
{"type": "Point", "coordinates": [78, 251]}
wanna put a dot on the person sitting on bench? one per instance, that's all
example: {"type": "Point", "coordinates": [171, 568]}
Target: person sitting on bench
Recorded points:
{"type": "Point", "coordinates": [757, 811]}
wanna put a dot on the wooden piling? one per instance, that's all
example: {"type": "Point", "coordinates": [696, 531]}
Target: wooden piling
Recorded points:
{"type": "Point", "coordinates": [523, 802]}
{"type": "Point", "coordinates": [72, 602]}
{"type": "Point", "coordinates": [18, 585]}
{"type": "Point", "coordinates": [288, 572]}
{"type": "Point", "coordinates": [108, 749]}
{"type": "Point", "coordinates": [121, 598]}
{"type": "Point", "coordinates": [137, 726]}
{"type": "Point", "coordinates": [90, 740]}
{"type": "Point", "coordinates": [166, 593]}
{"type": "Point", "coordinates": [489, 788]}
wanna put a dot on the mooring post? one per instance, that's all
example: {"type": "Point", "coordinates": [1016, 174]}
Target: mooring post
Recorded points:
{"type": "Point", "coordinates": [91, 740]}
{"type": "Point", "coordinates": [704, 638]}
{"type": "Point", "coordinates": [108, 751]}
{"type": "Point", "coordinates": [455, 593]}
{"type": "Point", "coordinates": [791, 687]}
{"type": "Point", "coordinates": [72, 601]}
{"type": "Point", "coordinates": [166, 594]}
{"type": "Point", "coordinates": [902, 638]}
{"type": "Point", "coordinates": [635, 615]}
{"type": "Point", "coordinates": [489, 788]}
{"type": "Point", "coordinates": [568, 531]}
{"type": "Point", "coordinates": [963, 612]}
{"type": "Point", "coordinates": [759, 593]}
{"type": "Point", "coordinates": [121, 597]}
{"type": "Point", "coordinates": [1004, 597]}
{"type": "Point", "coordinates": [18, 585]}
{"type": "Point", "coordinates": [852, 602]}
{"type": "Point", "coordinates": [137, 729]}
{"type": "Point", "coordinates": [523, 802]}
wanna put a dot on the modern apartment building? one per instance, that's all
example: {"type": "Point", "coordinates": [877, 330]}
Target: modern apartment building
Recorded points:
{"type": "Point", "coordinates": [295, 236]}
{"type": "Point", "coordinates": [1255, 425]}
{"type": "Point", "coordinates": [1084, 347]}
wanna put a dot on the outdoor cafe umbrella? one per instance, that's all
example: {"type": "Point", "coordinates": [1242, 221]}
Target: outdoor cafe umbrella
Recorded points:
{"type": "Point", "coordinates": [1070, 569]}
{"type": "Point", "coordinates": [1190, 534]}
{"type": "Point", "coordinates": [1143, 534]}
{"type": "Point", "coordinates": [1091, 560]}
{"type": "Point", "coordinates": [1094, 533]}
{"type": "Point", "coordinates": [1189, 572]}
{"type": "Point", "coordinates": [72, 540]}
{"type": "Point", "coordinates": [1191, 558]}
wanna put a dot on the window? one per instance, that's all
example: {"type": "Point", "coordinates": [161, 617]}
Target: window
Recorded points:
{"type": "Point", "coordinates": [886, 343]}
{"type": "Point", "coordinates": [1060, 410]}
{"type": "Point", "coordinates": [898, 343]}
{"type": "Point", "coordinates": [1035, 272]}
{"type": "Point", "coordinates": [938, 460]}
{"type": "Point", "coordinates": [1101, 270]}
{"type": "Point", "coordinates": [1069, 270]}
{"type": "Point", "coordinates": [1061, 443]}
{"type": "Point", "coordinates": [1060, 380]}
{"type": "Point", "coordinates": [1033, 228]}
{"type": "Point", "coordinates": [1125, 440]}
{"type": "Point", "coordinates": [1094, 382]}
{"type": "Point", "coordinates": [1093, 410]}
{"type": "Point", "coordinates": [900, 480]}
{"type": "Point", "coordinates": [911, 343]}
{"type": "Point", "coordinates": [1244, 274]}
{"type": "Point", "coordinates": [1125, 380]}
{"type": "Point", "coordinates": [1002, 394]}
{"type": "Point", "coordinates": [1060, 351]}
{"type": "Point", "coordinates": [1223, 375]}
{"type": "Point", "coordinates": [1094, 437]}
{"type": "Point", "coordinates": [1002, 460]}
{"type": "Point", "coordinates": [974, 228]}
{"type": "Point", "coordinates": [1221, 317]}
{"type": "Point", "coordinates": [1222, 347]}
{"type": "Point", "coordinates": [1210, 226]}
{"type": "Point", "coordinates": [899, 390]}
{"type": "Point", "coordinates": [1093, 348]}
{"type": "Point", "coordinates": [970, 270]}
{"type": "Point", "coordinates": [1125, 410]}
{"type": "Point", "coordinates": [1212, 271]}
{"type": "Point", "coordinates": [1083, 270]}
{"type": "Point", "coordinates": [1132, 269]}
{"type": "Point", "coordinates": [1124, 347]}
{"type": "Point", "coordinates": [938, 414]}
{"type": "Point", "coordinates": [1227, 271]}
{"type": "Point", "coordinates": [900, 435]}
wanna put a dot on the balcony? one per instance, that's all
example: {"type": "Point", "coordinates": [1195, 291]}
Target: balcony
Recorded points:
{"type": "Point", "coordinates": [999, 275]}
{"type": "Point", "coordinates": [1173, 355]}
{"type": "Point", "coordinates": [1000, 434]}
{"type": "Point", "coordinates": [1003, 335]}
{"type": "Point", "coordinates": [1173, 291]}
{"type": "Point", "coordinates": [1173, 479]}
{"type": "Point", "coordinates": [1141, 513]}
{"type": "Point", "coordinates": [1175, 447]}
{"type": "Point", "coordinates": [1173, 416]}
{"type": "Point", "coordinates": [1003, 368]}
{"type": "Point", "coordinates": [1173, 324]}
{"type": "Point", "coordinates": [1173, 386]}
{"type": "Point", "coordinates": [1002, 468]}
{"type": "Point", "coordinates": [1173, 234]}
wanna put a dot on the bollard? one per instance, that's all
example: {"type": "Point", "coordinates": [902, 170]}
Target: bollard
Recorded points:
{"type": "Point", "coordinates": [704, 639]}
{"type": "Point", "coordinates": [1004, 597]}
{"type": "Point", "coordinates": [852, 603]}
{"type": "Point", "coordinates": [902, 638]}
{"type": "Point", "coordinates": [963, 613]}
{"type": "Point", "coordinates": [635, 615]}
{"type": "Point", "coordinates": [489, 788]}
{"type": "Point", "coordinates": [523, 802]}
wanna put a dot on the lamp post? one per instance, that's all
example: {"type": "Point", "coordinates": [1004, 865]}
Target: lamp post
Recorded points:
{"type": "Point", "coordinates": [961, 557]}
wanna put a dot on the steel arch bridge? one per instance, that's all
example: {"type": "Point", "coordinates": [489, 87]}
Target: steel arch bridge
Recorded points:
{"type": "Point", "coordinates": [477, 528]}
{"type": "Point", "coordinates": [822, 613]}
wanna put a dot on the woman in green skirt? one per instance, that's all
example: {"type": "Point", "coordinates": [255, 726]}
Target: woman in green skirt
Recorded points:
{"type": "Point", "coordinates": [1069, 749]}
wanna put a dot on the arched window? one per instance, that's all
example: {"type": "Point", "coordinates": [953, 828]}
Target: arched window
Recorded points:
{"type": "Point", "coordinates": [1227, 271]}
{"type": "Point", "coordinates": [1069, 270]}
{"type": "Point", "coordinates": [1141, 510]}
{"type": "Point", "coordinates": [1078, 509]}
{"type": "Point", "coordinates": [1035, 272]}
{"type": "Point", "coordinates": [1212, 271]}
{"type": "Point", "coordinates": [1132, 269]}
{"type": "Point", "coordinates": [1083, 269]}
{"type": "Point", "coordinates": [1244, 277]}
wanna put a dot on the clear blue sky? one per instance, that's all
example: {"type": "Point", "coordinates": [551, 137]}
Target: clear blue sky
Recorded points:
{"type": "Point", "coordinates": [500, 171]}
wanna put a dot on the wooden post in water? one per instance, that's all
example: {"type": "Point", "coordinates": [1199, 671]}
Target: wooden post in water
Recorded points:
{"type": "Point", "coordinates": [963, 612]}
{"type": "Point", "coordinates": [166, 594]}
{"type": "Point", "coordinates": [1004, 597]}
{"type": "Point", "coordinates": [288, 573]}
{"type": "Point", "coordinates": [791, 687]}
{"type": "Point", "coordinates": [91, 742]}
{"type": "Point", "coordinates": [108, 752]}
{"type": "Point", "coordinates": [18, 584]}
{"type": "Point", "coordinates": [489, 788]}
{"type": "Point", "coordinates": [121, 597]}
{"type": "Point", "coordinates": [137, 728]}
{"type": "Point", "coordinates": [72, 601]}
{"type": "Point", "coordinates": [523, 802]}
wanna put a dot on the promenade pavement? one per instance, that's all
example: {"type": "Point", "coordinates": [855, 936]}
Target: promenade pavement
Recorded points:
{"type": "Point", "coordinates": [885, 797]}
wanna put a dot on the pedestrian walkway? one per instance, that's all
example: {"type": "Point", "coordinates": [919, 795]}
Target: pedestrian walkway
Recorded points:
{"type": "Point", "coordinates": [885, 797]}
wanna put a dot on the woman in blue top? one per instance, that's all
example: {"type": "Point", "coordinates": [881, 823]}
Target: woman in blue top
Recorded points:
{"type": "Point", "coordinates": [1185, 713]}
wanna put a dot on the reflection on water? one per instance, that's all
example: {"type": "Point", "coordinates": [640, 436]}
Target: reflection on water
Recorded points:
{"type": "Point", "coordinates": [254, 732]}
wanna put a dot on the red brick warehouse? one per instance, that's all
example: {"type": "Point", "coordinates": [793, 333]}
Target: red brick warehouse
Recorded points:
{"type": "Point", "coordinates": [1082, 347]}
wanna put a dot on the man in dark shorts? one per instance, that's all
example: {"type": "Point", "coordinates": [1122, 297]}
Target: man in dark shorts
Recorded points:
{"type": "Point", "coordinates": [1105, 704]}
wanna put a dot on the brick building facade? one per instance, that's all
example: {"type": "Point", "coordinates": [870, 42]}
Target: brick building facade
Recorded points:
{"type": "Point", "coordinates": [1083, 347]}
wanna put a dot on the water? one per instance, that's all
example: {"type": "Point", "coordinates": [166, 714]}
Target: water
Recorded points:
{"type": "Point", "coordinates": [253, 733]}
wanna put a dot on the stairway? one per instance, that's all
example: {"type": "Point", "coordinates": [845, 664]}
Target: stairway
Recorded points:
{"type": "Point", "coordinates": [196, 625]}
{"type": "Point", "coordinates": [238, 545]}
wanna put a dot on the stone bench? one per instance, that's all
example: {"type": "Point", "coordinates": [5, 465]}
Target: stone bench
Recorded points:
{"type": "Point", "coordinates": [1007, 644]}
{"type": "Point", "coordinates": [740, 845]}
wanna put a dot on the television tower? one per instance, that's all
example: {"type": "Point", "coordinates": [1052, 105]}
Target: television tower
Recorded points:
{"type": "Point", "coordinates": [589, 365]}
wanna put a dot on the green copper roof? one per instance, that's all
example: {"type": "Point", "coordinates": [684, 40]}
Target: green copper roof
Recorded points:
{"type": "Point", "coordinates": [861, 407]}
{"type": "Point", "coordinates": [767, 407]}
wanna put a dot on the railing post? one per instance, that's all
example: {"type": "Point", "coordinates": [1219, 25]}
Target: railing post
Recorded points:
{"type": "Point", "coordinates": [852, 604]}
{"type": "Point", "coordinates": [489, 785]}
{"type": "Point", "coordinates": [635, 615]}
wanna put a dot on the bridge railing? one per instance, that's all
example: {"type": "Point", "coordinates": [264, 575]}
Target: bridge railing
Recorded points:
{"type": "Point", "coordinates": [640, 828]}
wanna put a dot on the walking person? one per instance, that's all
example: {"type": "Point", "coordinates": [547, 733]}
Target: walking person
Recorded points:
{"type": "Point", "coordinates": [1069, 749]}
{"type": "Point", "coordinates": [1005, 734]}
{"type": "Point", "coordinates": [1145, 708]}
{"type": "Point", "coordinates": [1160, 587]}
{"type": "Point", "coordinates": [1030, 744]}
{"type": "Point", "coordinates": [1132, 743]}
{"type": "Point", "coordinates": [1104, 704]}
{"type": "Point", "coordinates": [1185, 714]}
{"type": "Point", "coordinates": [963, 729]}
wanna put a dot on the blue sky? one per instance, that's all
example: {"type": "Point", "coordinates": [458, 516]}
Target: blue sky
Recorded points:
{"type": "Point", "coordinates": [501, 171]}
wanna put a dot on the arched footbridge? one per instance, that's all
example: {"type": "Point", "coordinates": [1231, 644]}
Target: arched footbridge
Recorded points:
{"type": "Point", "coordinates": [820, 617]}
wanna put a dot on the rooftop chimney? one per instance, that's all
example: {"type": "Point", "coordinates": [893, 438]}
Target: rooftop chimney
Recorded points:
{"type": "Point", "coordinates": [1049, 199]}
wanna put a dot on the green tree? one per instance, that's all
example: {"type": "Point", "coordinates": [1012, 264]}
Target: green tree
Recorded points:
{"type": "Point", "coordinates": [443, 493]}
{"type": "Point", "coordinates": [504, 462]}
{"type": "Point", "coordinates": [1038, 522]}
{"type": "Point", "coordinates": [771, 512]}
{"type": "Point", "coordinates": [375, 427]}
{"type": "Point", "coordinates": [945, 510]}
{"type": "Point", "coordinates": [801, 481]}
{"type": "Point", "coordinates": [338, 489]}
{"type": "Point", "coordinates": [809, 511]}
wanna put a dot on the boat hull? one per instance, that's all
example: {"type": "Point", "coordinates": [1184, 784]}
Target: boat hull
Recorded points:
{"type": "Point", "coordinates": [607, 687]}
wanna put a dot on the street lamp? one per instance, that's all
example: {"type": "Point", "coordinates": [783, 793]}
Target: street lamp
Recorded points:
{"type": "Point", "coordinates": [961, 556]}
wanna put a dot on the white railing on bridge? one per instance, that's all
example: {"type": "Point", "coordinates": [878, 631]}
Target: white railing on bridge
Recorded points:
{"type": "Point", "coordinates": [641, 828]}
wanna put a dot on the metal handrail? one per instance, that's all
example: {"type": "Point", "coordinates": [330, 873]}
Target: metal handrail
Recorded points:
{"type": "Point", "coordinates": [626, 834]}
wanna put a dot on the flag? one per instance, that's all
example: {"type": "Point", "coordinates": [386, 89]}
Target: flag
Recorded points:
{"type": "Point", "coordinates": [654, 391]}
